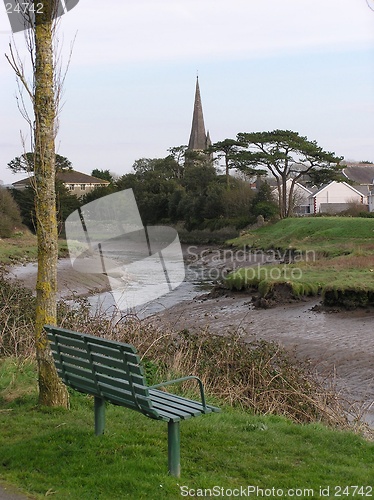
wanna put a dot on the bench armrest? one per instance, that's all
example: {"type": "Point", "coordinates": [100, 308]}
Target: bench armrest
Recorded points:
{"type": "Point", "coordinates": [163, 384]}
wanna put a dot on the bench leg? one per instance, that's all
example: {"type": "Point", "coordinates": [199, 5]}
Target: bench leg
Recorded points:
{"type": "Point", "coordinates": [99, 416]}
{"type": "Point", "coordinates": [174, 443]}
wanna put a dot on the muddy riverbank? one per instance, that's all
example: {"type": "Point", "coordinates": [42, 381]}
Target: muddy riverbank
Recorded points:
{"type": "Point", "coordinates": [339, 346]}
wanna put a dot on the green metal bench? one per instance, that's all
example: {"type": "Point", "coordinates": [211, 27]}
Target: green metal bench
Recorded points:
{"type": "Point", "coordinates": [111, 371]}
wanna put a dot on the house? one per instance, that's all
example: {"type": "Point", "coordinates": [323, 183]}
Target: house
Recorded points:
{"type": "Point", "coordinates": [77, 182]}
{"type": "Point", "coordinates": [336, 197]}
{"type": "Point", "coordinates": [371, 201]}
{"type": "Point", "coordinates": [300, 198]}
{"type": "Point", "coordinates": [362, 174]}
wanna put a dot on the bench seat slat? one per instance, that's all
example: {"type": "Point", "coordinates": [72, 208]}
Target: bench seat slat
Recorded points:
{"type": "Point", "coordinates": [174, 398]}
{"type": "Point", "coordinates": [82, 358]}
{"type": "Point", "coordinates": [107, 373]}
{"type": "Point", "coordinates": [182, 410]}
{"type": "Point", "coordinates": [67, 334]}
{"type": "Point", "coordinates": [122, 385]}
{"type": "Point", "coordinates": [113, 353]}
{"type": "Point", "coordinates": [116, 363]}
{"type": "Point", "coordinates": [76, 341]}
{"type": "Point", "coordinates": [72, 352]}
{"type": "Point", "coordinates": [76, 370]}
{"type": "Point", "coordinates": [123, 396]}
{"type": "Point", "coordinates": [80, 385]}
{"type": "Point", "coordinates": [65, 359]}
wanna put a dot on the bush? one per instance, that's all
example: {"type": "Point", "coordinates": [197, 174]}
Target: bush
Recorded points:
{"type": "Point", "coordinates": [17, 314]}
{"type": "Point", "coordinates": [258, 376]}
{"type": "Point", "coordinates": [10, 216]}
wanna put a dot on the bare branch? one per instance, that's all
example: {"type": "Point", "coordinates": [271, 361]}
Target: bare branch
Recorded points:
{"type": "Point", "coordinates": [17, 66]}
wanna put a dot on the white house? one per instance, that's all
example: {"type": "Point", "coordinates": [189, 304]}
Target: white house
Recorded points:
{"type": "Point", "coordinates": [371, 201]}
{"type": "Point", "coordinates": [336, 197]}
{"type": "Point", "coordinates": [300, 198]}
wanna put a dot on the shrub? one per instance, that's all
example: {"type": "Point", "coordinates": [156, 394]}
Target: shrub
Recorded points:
{"type": "Point", "coordinates": [258, 376]}
{"type": "Point", "coordinates": [10, 216]}
{"type": "Point", "coordinates": [17, 313]}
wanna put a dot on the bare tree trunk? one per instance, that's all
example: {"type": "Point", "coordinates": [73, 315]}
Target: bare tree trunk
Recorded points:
{"type": "Point", "coordinates": [51, 390]}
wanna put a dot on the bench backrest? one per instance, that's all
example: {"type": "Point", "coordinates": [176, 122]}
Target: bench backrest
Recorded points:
{"type": "Point", "coordinates": [103, 368]}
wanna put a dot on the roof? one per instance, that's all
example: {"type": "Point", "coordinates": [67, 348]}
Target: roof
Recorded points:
{"type": "Point", "coordinates": [68, 177]}
{"type": "Point", "coordinates": [274, 186]}
{"type": "Point", "coordinates": [335, 182]}
{"type": "Point", "coordinates": [362, 174]}
{"type": "Point", "coordinates": [74, 177]}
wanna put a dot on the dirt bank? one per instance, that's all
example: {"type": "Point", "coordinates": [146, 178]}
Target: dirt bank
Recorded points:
{"type": "Point", "coordinates": [71, 283]}
{"type": "Point", "coordinates": [339, 346]}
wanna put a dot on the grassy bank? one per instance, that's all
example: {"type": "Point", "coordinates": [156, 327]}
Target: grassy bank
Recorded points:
{"type": "Point", "coordinates": [328, 236]}
{"type": "Point", "coordinates": [54, 452]}
{"type": "Point", "coordinates": [22, 247]}
{"type": "Point", "coordinates": [330, 256]}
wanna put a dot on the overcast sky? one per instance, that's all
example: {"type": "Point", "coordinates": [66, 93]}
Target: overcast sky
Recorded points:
{"type": "Point", "coordinates": [303, 65]}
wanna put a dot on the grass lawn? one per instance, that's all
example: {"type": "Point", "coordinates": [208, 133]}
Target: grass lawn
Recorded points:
{"type": "Point", "coordinates": [329, 236]}
{"type": "Point", "coordinates": [22, 247]}
{"type": "Point", "coordinates": [54, 452]}
{"type": "Point", "coordinates": [333, 256]}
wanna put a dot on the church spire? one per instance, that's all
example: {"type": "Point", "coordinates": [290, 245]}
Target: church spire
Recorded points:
{"type": "Point", "coordinates": [198, 138]}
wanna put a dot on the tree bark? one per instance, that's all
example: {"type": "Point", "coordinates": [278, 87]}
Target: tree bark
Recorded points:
{"type": "Point", "coordinates": [52, 392]}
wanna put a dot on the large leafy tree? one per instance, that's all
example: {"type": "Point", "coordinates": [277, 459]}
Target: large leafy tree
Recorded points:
{"type": "Point", "coordinates": [287, 155]}
{"type": "Point", "coordinates": [26, 163]}
{"type": "Point", "coordinates": [235, 157]}
{"type": "Point", "coordinates": [106, 175]}
{"type": "Point", "coordinates": [153, 183]}
{"type": "Point", "coordinates": [66, 203]}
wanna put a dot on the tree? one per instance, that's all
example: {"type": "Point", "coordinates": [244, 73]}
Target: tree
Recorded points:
{"type": "Point", "coordinates": [44, 94]}
{"type": "Point", "coordinates": [282, 152]}
{"type": "Point", "coordinates": [102, 174]}
{"type": "Point", "coordinates": [235, 158]}
{"type": "Point", "coordinates": [26, 162]}
{"type": "Point", "coordinates": [66, 203]}
{"type": "Point", "coordinates": [178, 153]}
{"type": "Point", "coordinates": [153, 184]}
{"type": "Point", "coordinates": [263, 202]}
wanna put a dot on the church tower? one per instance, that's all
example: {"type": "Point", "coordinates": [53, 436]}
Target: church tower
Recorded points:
{"type": "Point", "coordinates": [199, 140]}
